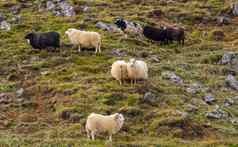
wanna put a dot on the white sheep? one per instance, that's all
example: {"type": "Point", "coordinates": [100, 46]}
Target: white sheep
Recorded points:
{"type": "Point", "coordinates": [84, 39]}
{"type": "Point", "coordinates": [119, 70]}
{"type": "Point", "coordinates": [97, 123]}
{"type": "Point", "coordinates": [137, 70]}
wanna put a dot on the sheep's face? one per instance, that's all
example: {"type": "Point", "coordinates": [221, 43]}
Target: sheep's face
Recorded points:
{"type": "Point", "coordinates": [29, 37]}
{"type": "Point", "coordinates": [119, 119]}
{"type": "Point", "coordinates": [132, 62]}
{"type": "Point", "coordinates": [69, 31]}
{"type": "Point", "coordinates": [121, 24]}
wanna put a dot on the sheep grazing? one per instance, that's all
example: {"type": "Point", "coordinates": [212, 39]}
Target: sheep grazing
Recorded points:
{"type": "Point", "coordinates": [97, 123]}
{"type": "Point", "coordinates": [175, 34]}
{"type": "Point", "coordinates": [119, 70]}
{"type": "Point", "coordinates": [137, 70]}
{"type": "Point", "coordinates": [84, 39]}
{"type": "Point", "coordinates": [43, 40]}
{"type": "Point", "coordinates": [156, 34]}
{"type": "Point", "coordinates": [129, 27]}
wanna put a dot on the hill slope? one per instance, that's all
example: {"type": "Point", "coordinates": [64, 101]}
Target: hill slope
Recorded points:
{"type": "Point", "coordinates": [45, 97]}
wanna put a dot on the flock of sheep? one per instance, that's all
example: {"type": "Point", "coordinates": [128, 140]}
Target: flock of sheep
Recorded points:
{"type": "Point", "coordinates": [121, 70]}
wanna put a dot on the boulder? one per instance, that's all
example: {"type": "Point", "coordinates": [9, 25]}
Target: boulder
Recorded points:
{"type": "Point", "coordinates": [4, 25]}
{"type": "Point", "coordinates": [232, 82]}
{"type": "Point", "coordinates": [172, 77]}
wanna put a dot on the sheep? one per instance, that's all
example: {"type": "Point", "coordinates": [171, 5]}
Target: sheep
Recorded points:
{"type": "Point", "coordinates": [129, 27]}
{"type": "Point", "coordinates": [84, 39]}
{"type": "Point", "coordinates": [156, 34]}
{"type": "Point", "coordinates": [97, 123]}
{"type": "Point", "coordinates": [43, 40]}
{"type": "Point", "coordinates": [175, 34]}
{"type": "Point", "coordinates": [119, 70]}
{"type": "Point", "coordinates": [137, 70]}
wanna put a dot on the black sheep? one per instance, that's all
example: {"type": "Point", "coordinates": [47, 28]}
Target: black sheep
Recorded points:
{"type": "Point", "coordinates": [121, 24]}
{"type": "Point", "coordinates": [156, 34]}
{"type": "Point", "coordinates": [44, 40]}
{"type": "Point", "coordinates": [175, 34]}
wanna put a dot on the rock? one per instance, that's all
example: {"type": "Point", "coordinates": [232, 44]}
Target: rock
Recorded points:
{"type": "Point", "coordinates": [232, 82]}
{"type": "Point", "coordinates": [235, 9]}
{"type": "Point", "coordinates": [50, 5]}
{"type": "Point", "coordinates": [5, 98]}
{"type": "Point", "coordinates": [67, 9]}
{"type": "Point", "coordinates": [150, 98]}
{"type": "Point", "coordinates": [228, 102]}
{"type": "Point", "coordinates": [75, 118]}
{"type": "Point", "coordinates": [218, 35]}
{"type": "Point", "coordinates": [230, 58]}
{"type": "Point", "coordinates": [218, 113]}
{"type": "Point", "coordinates": [58, 8]}
{"type": "Point", "coordinates": [173, 77]}
{"type": "Point", "coordinates": [107, 27]}
{"type": "Point", "coordinates": [223, 20]}
{"type": "Point", "coordinates": [234, 121]}
{"type": "Point", "coordinates": [16, 9]}
{"type": "Point", "coordinates": [16, 19]}
{"type": "Point", "coordinates": [5, 26]}
{"type": "Point", "coordinates": [155, 59]}
{"type": "Point", "coordinates": [119, 53]}
{"type": "Point", "coordinates": [194, 88]}
{"type": "Point", "coordinates": [19, 92]}
{"type": "Point", "coordinates": [209, 99]}
{"type": "Point", "coordinates": [66, 114]}
{"type": "Point", "coordinates": [2, 18]}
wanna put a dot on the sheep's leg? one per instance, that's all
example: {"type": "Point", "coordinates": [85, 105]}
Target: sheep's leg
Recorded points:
{"type": "Point", "coordinates": [79, 49]}
{"type": "Point", "coordinates": [110, 138]}
{"type": "Point", "coordinates": [120, 82]}
{"type": "Point", "coordinates": [93, 135]}
{"type": "Point", "coordinates": [99, 48]}
{"type": "Point", "coordinates": [88, 133]}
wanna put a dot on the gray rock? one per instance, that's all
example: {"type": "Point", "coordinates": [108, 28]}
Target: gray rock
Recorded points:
{"type": "Point", "coordinates": [218, 113]}
{"type": "Point", "coordinates": [155, 59]}
{"type": "Point", "coordinates": [2, 18]}
{"type": "Point", "coordinates": [223, 20]}
{"type": "Point", "coordinates": [209, 99]}
{"type": "Point", "coordinates": [230, 58]}
{"type": "Point", "coordinates": [173, 77]}
{"type": "Point", "coordinates": [107, 27]}
{"type": "Point", "coordinates": [50, 5]}
{"type": "Point", "coordinates": [16, 19]}
{"type": "Point", "coordinates": [5, 98]}
{"type": "Point", "coordinates": [58, 8]}
{"type": "Point", "coordinates": [119, 53]}
{"type": "Point", "coordinates": [191, 108]}
{"type": "Point", "coordinates": [67, 9]}
{"type": "Point", "coordinates": [194, 88]}
{"type": "Point", "coordinates": [5, 26]}
{"type": "Point", "coordinates": [234, 121]}
{"type": "Point", "coordinates": [150, 98]}
{"type": "Point", "coordinates": [15, 9]}
{"type": "Point", "coordinates": [228, 102]}
{"type": "Point", "coordinates": [235, 9]}
{"type": "Point", "coordinates": [19, 92]}
{"type": "Point", "coordinates": [232, 82]}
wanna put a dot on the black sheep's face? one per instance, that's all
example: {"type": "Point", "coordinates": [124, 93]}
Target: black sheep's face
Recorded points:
{"type": "Point", "coordinates": [121, 23]}
{"type": "Point", "coordinates": [29, 37]}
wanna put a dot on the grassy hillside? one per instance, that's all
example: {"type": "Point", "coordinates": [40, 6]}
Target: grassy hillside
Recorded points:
{"type": "Point", "coordinates": [62, 88]}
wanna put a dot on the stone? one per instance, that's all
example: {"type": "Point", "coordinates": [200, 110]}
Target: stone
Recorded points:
{"type": "Point", "coordinates": [119, 53]}
{"type": "Point", "coordinates": [218, 35]}
{"type": "Point", "coordinates": [150, 98]}
{"type": "Point", "coordinates": [223, 20]}
{"type": "Point", "coordinates": [16, 9]}
{"type": "Point", "coordinates": [107, 27]}
{"type": "Point", "coordinates": [5, 98]}
{"type": "Point", "coordinates": [218, 113]}
{"type": "Point", "coordinates": [4, 25]}
{"type": "Point", "coordinates": [194, 88]}
{"type": "Point", "coordinates": [19, 92]}
{"type": "Point", "coordinates": [228, 102]}
{"type": "Point", "coordinates": [209, 99]}
{"type": "Point", "coordinates": [230, 58]}
{"type": "Point", "coordinates": [173, 77]}
{"type": "Point", "coordinates": [235, 9]}
{"type": "Point", "coordinates": [231, 82]}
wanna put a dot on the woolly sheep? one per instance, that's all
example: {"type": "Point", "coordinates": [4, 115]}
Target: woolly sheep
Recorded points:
{"type": "Point", "coordinates": [97, 123]}
{"type": "Point", "coordinates": [84, 39]}
{"type": "Point", "coordinates": [137, 70]}
{"type": "Point", "coordinates": [119, 70]}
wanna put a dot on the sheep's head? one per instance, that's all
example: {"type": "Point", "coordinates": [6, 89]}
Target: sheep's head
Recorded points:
{"type": "Point", "coordinates": [132, 62]}
{"type": "Point", "coordinates": [121, 23]}
{"type": "Point", "coordinates": [70, 31]}
{"type": "Point", "coordinates": [29, 37]}
{"type": "Point", "coordinates": [119, 118]}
